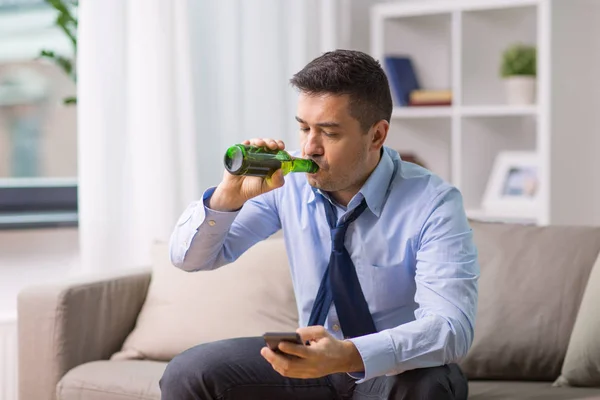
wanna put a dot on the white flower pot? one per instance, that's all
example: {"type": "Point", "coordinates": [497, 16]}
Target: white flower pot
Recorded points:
{"type": "Point", "coordinates": [520, 90]}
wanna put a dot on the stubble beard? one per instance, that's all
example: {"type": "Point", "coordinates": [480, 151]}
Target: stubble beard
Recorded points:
{"type": "Point", "coordinates": [335, 184]}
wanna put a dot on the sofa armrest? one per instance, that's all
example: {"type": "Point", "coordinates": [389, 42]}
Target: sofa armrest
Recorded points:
{"type": "Point", "coordinates": [64, 325]}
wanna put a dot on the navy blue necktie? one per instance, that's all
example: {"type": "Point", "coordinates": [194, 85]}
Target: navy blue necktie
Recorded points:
{"type": "Point", "coordinates": [340, 283]}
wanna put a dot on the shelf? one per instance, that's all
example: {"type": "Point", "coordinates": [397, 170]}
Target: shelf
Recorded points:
{"type": "Point", "coordinates": [421, 112]}
{"type": "Point", "coordinates": [420, 8]}
{"type": "Point", "coordinates": [458, 45]}
{"type": "Point", "coordinates": [468, 111]}
{"type": "Point", "coordinates": [498, 111]}
{"type": "Point", "coordinates": [477, 5]}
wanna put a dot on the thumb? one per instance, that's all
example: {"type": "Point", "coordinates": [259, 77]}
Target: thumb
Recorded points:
{"type": "Point", "coordinates": [312, 333]}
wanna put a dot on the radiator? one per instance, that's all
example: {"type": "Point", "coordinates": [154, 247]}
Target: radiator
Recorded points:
{"type": "Point", "coordinates": [8, 358]}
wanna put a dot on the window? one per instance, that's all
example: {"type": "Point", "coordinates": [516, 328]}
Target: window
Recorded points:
{"type": "Point", "coordinates": [38, 138]}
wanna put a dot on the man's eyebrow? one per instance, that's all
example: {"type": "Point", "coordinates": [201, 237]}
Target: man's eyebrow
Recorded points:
{"type": "Point", "coordinates": [320, 124]}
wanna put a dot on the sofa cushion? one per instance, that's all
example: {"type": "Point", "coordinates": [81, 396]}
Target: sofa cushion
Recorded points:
{"type": "Point", "coordinates": [112, 380]}
{"type": "Point", "coordinates": [531, 284]}
{"type": "Point", "coordinates": [582, 361]}
{"type": "Point", "coordinates": [248, 297]}
{"type": "Point", "coordinates": [503, 390]}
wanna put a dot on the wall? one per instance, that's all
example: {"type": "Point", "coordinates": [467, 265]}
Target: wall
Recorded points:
{"type": "Point", "coordinates": [29, 257]}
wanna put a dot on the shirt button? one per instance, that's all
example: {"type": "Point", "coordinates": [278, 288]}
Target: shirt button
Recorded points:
{"type": "Point", "coordinates": [212, 222]}
{"type": "Point", "coordinates": [336, 327]}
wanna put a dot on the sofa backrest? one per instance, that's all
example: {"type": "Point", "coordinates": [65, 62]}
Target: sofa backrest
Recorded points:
{"type": "Point", "coordinates": [248, 297]}
{"type": "Point", "coordinates": [531, 285]}
{"type": "Point", "coordinates": [532, 282]}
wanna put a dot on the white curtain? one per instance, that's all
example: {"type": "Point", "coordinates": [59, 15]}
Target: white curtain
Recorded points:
{"type": "Point", "coordinates": [245, 52]}
{"type": "Point", "coordinates": [163, 88]}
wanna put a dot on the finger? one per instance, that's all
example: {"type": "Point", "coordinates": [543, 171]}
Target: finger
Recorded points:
{"type": "Point", "coordinates": [268, 355]}
{"type": "Point", "coordinates": [310, 333]}
{"type": "Point", "coordinates": [281, 144]}
{"type": "Point", "coordinates": [294, 349]}
{"type": "Point", "coordinates": [272, 144]}
{"type": "Point", "coordinates": [279, 362]}
{"type": "Point", "coordinates": [258, 142]}
{"type": "Point", "coordinates": [274, 181]}
{"type": "Point", "coordinates": [277, 179]}
{"type": "Point", "coordinates": [246, 142]}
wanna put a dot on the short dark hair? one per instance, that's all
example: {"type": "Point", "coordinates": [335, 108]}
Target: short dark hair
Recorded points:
{"type": "Point", "coordinates": [353, 73]}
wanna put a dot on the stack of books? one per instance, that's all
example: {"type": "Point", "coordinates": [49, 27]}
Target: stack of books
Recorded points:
{"type": "Point", "coordinates": [406, 88]}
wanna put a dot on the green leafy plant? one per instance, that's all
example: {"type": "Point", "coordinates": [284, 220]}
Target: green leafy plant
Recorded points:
{"type": "Point", "coordinates": [66, 21]}
{"type": "Point", "coordinates": [519, 59]}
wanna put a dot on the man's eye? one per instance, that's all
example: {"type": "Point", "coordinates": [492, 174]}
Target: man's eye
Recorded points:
{"type": "Point", "coordinates": [330, 134]}
{"type": "Point", "coordinates": [304, 129]}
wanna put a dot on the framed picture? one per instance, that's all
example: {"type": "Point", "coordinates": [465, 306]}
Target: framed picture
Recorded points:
{"type": "Point", "coordinates": [513, 187]}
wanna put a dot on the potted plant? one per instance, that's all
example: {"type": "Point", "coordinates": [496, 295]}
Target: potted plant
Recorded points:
{"type": "Point", "coordinates": [519, 71]}
{"type": "Point", "coordinates": [66, 21]}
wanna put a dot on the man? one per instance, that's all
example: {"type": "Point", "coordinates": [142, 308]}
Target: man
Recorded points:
{"type": "Point", "coordinates": [391, 309]}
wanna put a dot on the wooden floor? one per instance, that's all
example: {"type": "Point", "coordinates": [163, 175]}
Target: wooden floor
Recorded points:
{"type": "Point", "coordinates": [34, 256]}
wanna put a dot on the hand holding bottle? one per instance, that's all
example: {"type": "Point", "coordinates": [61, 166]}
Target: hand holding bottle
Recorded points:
{"type": "Point", "coordinates": [235, 190]}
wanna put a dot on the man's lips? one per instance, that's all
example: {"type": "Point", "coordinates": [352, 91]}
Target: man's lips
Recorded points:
{"type": "Point", "coordinates": [320, 166]}
{"type": "Point", "coordinates": [315, 161]}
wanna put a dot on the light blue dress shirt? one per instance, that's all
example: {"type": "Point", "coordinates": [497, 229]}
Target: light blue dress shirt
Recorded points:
{"type": "Point", "coordinates": [412, 249]}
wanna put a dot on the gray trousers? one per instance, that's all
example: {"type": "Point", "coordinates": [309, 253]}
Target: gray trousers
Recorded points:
{"type": "Point", "coordinates": [233, 369]}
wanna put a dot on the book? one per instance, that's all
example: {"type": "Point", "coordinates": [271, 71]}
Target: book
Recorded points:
{"type": "Point", "coordinates": [430, 103]}
{"type": "Point", "coordinates": [402, 77]}
{"type": "Point", "coordinates": [430, 96]}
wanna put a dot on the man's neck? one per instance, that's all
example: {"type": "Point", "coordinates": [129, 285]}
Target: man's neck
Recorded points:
{"type": "Point", "coordinates": [343, 197]}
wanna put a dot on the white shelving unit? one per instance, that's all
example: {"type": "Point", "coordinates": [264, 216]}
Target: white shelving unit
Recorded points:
{"type": "Point", "coordinates": [458, 45]}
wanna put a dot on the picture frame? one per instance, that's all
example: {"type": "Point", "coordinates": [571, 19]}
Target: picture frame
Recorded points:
{"type": "Point", "coordinates": [513, 188]}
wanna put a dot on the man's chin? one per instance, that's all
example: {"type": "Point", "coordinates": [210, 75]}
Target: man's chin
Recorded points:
{"type": "Point", "coordinates": [313, 181]}
{"type": "Point", "coordinates": [318, 183]}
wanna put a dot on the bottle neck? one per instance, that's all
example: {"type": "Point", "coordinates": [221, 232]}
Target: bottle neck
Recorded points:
{"type": "Point", "coordinates": [299, 165]}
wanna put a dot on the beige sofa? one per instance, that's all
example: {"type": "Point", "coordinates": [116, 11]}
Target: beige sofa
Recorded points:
{"type": "Point", "coordinates": [537, 333]}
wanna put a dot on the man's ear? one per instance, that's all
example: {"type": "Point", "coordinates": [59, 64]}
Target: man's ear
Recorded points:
{"type": "Point", "coordinates": [379, 133]}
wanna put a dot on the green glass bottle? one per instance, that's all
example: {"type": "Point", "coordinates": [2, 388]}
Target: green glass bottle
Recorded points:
{"type": "Point", "coordinates": [242, 159]}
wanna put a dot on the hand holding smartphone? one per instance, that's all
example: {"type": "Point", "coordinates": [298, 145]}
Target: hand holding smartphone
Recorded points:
{"type": "Point", "coordinates": [272, 339]}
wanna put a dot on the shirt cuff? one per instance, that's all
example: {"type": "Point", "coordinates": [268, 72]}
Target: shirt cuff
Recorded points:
{"type": "Point", "coordinates": [377, 353]}
{"type": "Point", "coordinates": [213, 221]}
{"type": "Point", "coordinates": [197, 217]}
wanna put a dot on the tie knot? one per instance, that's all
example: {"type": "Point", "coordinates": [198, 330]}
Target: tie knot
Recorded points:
{"type": "Point", "coordinates": [338, 231]}
{"type": "Point", "coordinates": [338, 235]}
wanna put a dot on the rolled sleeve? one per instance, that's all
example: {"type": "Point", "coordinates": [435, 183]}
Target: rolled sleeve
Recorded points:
{"type": "Point", "coordinates": [205, 239]}
{"type": "Point", "coordinates": [198, 218]}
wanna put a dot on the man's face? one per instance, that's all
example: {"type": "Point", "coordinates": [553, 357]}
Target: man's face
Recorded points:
{"type": "Point", "coordinates": [331, 137]}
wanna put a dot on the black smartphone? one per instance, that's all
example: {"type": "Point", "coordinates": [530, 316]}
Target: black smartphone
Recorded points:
{"type": "Point", "coordinates": [272, 339]}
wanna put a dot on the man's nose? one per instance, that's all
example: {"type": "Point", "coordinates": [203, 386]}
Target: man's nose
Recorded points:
{"type": "Point", "coordinates": [313, 146]}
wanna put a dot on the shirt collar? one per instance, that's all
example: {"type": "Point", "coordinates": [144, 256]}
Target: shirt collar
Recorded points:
{"type": "Point", "coordinates": [373, 190]}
